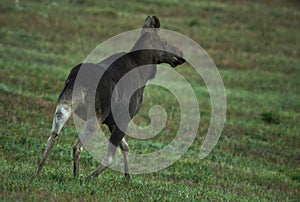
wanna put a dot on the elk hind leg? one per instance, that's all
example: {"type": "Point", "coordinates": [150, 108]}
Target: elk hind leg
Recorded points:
{"type": "Point", "coordinates": [77, 149]}
{"type": "Point", "coordinates": [62, 114]}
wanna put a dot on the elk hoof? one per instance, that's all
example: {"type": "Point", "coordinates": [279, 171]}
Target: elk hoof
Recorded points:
{"type": "Point", "coordinates": [90, 177]}
{"type": "Point", "coordinates": [128, 176]}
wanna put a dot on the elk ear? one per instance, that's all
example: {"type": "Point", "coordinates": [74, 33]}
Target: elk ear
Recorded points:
{"type": "Point", "coordinates": [155, 22]}
{"type": "Point", "coordinates": [151, 22]}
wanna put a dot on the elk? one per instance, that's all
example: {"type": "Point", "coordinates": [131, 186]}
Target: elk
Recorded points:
{"type": "Point", "coordinates": [149, 50]}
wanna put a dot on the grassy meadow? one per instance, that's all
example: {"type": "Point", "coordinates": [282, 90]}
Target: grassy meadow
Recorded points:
{"type": "Point", "coordinates": [256, 47]}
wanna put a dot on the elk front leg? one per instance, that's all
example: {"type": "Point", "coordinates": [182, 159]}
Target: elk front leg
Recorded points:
{"type": "Point", "coordinates": [62, 114]}
{"type": "Point", "coordinates": [114, 141]}
{"type": "Point", "coordinates": [125, 149]}
{"type": "Point", "coordinates": [111, 149]}
{"type": "Point", "coordinates": [77, 149]}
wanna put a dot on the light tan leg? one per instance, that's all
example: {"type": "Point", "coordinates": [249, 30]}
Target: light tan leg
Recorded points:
{"type": "Point", "coordinates": [62, 114]}
{"type": "Point", "coordinates": [77, 149]}
{"type": "Point", "coordinates": [111, 149]}
{"type": "Point", "coordinates": [50, 144]}
{"type": "Point", "coordinates": [125, 149]}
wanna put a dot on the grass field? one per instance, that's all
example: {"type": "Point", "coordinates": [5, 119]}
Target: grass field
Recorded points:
{"type": "Point", "coordinates": [256, 47]}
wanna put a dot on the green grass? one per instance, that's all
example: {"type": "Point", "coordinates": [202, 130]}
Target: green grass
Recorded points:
{"type": "Point", "coordinates": [256, 49]}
